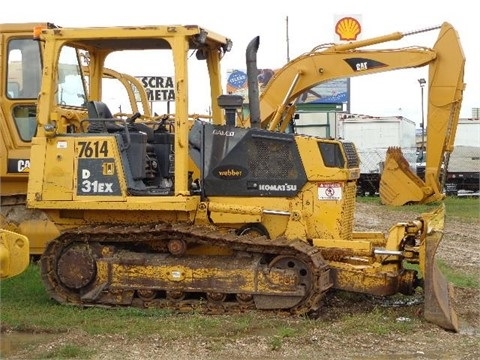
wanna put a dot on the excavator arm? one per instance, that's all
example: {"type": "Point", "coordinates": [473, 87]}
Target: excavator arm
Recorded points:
{"type": "Point", "coordinates": [398, 184]}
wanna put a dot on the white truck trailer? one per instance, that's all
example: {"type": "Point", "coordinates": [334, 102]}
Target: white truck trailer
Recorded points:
{"type": "Point", "coordinates": [463, 175]}
{"type": "Point", "coordinates": [372, 136]}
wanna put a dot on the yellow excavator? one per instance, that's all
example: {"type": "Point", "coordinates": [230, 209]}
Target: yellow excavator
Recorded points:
{"type": "Point", "coordinates": [21, 70]}
{"type": "Point", "coordinates": [213, 216]}
{"type": "Point", "coordinates": [446, 63]}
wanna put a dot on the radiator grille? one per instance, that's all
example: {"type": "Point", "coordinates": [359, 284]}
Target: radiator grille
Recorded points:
{"type": "Point", "coordinates": [348, 210]}
{"type": "Point", "coordinates": [353, 159]}
{"type": "Point", "coordinates": [269, 159]}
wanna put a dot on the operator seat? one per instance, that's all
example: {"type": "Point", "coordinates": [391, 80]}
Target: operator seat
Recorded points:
{"type": "Point", "coordinates": [98, 112]}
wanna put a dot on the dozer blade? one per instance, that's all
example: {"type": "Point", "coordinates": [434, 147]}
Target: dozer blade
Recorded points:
{"type": "Point", "coordinates": [438, 292]}
{"type": "Point", "coordinates": [398, 184]}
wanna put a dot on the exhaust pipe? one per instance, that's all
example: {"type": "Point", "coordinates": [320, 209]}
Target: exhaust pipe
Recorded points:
{"type": "Point", "coordinates": [252, 82]}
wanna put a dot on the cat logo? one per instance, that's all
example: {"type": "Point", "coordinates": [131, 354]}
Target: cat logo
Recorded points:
{"type": "Point", "coordinates": [18, 166]}
{"type": "Point", "coordinates": [348, 28]}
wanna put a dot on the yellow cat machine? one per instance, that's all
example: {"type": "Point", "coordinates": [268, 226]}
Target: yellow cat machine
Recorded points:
{"type": "Point", "coordinates": [398, 185]}
{"type": "Point", "coordinates": [14, 254]}
{"type": "Point", "coordinates": [20, 71]}
{"type": "Point", "coordinates": [187, 214]}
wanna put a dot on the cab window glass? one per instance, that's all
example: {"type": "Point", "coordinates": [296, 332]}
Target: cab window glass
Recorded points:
{"type": "Point", "coordinates": [331, 154]}
{"type": "Point", "coordinates": [24, 69]}
{"type": "Point", "coordinates": [71, 89]}
{"type": "Point", "coordinates": [25, 121]}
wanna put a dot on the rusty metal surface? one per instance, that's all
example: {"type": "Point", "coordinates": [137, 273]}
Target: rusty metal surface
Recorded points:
{"type": "Point", "coordinates": [110, 266]}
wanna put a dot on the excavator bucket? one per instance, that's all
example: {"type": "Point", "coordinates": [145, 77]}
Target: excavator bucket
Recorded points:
{"type": "Point", "coordinates": [398, 184]}
{"type": "Point", "coordinates": [14, 253]}
{"type": "Point", "coordinates": [439, 293]}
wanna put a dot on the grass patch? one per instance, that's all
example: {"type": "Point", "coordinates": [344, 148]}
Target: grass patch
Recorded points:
{"type": "Point", "coordinates": [466, 209]}
{"type": "Point", "coordinates": [282, 333]}
{"type": "Point", "coordinates": [67, 351]}
{"type": "Point", "coordinates": [458, 278]}
{"type": "Point", "coordinates": [379, 321]}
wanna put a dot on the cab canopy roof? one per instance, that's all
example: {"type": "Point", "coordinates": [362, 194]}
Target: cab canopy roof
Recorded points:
{"type": "Point", "coordinates": [139, 37]}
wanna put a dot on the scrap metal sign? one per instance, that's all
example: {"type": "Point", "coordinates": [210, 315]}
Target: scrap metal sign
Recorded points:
{"type": "Point", "coordinates": [158, 88]}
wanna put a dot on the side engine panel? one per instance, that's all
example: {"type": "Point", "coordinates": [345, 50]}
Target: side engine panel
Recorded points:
{"type": "Point", "coordinates": [246, 162]}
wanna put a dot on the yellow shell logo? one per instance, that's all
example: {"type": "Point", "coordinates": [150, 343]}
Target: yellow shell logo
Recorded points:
{"type": "Point", "coordinates": [348, 28]}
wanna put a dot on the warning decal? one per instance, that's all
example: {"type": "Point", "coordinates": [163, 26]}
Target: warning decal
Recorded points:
{"type": "Point", "coordinates": [329, 191]}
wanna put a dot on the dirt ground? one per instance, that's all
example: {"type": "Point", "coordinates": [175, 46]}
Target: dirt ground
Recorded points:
{"type": "Point", "coordinates": [460, 249]}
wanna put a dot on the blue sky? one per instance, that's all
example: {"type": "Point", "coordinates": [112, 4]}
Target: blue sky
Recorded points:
{"type": "Point", "coordinates": [310, 23]}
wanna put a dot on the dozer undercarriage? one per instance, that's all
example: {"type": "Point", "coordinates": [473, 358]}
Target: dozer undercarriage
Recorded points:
{"type": "Point", "coordinates": [170, 266]}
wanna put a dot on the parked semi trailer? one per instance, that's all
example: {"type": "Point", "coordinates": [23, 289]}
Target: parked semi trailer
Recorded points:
{"type": "Point", "coordinates": [373, 136]}
{"type": "Point", "coordinates": [463, 176]}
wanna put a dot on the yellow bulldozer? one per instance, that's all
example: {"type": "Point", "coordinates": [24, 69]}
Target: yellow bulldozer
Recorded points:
{"type": "Point", "coordinates": [399, 185]}
{"type": "Point", "coordinates": [187, 213]}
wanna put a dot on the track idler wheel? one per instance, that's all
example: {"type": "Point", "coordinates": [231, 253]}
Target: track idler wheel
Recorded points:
{"type": "Point", "coordinates": [302, 270]}
{"type": "Point", "coordinates": [289, 269]}
{"type": "Point", "coordinates": [76, 267]}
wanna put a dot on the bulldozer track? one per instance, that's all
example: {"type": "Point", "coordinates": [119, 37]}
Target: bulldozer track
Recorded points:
{"type": "Point", "coordinates": [71, 268]}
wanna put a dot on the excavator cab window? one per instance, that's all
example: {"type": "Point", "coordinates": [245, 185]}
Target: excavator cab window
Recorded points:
{"type": "Point", "coordinates": [24, 65]}
{"type": "Point", "coordinates": [24, 69]}
{"type": "Point", "coordinates": [25, 121]}
{"type": "Point", "coordinates": [331, 154]}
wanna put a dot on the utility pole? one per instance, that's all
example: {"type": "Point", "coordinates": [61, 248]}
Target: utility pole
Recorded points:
{"type": "Point", "coordinates": [288, 40]}
{"type": "Point", "coordinates": [422, 83]}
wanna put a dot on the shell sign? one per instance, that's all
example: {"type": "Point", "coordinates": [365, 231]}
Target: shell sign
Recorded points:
{"type": "Point", "coordinates": [348, 28]}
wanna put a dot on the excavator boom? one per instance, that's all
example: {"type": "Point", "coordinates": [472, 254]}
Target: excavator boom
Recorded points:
{"type": "Point", "coordinates": [329, 62]}
{"type": "Point", "coordinates": [313, 68]}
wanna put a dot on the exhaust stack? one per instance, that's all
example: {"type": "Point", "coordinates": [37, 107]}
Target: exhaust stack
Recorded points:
{"type": "Point", "coordinates": [252, 81]}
